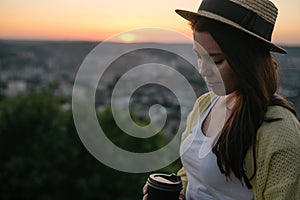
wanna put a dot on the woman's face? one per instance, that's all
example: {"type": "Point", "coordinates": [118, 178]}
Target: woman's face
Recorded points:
{"type": "Point", "coordinates": [213, 65]}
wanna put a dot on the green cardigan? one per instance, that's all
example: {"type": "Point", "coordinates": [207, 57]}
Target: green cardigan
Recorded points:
{"type": "Point", "coordinates": [277, 153]}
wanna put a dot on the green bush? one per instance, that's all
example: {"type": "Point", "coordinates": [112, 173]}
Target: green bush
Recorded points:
{"type": "Point", "coordinates": [42, 156]}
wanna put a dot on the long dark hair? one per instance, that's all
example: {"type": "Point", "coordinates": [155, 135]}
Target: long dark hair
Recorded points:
{"type": "Point", "coordinates": [255, 68]}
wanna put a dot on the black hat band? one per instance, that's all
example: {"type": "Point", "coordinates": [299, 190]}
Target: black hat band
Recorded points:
{"type": "Point", "coordinates": [244, 17]}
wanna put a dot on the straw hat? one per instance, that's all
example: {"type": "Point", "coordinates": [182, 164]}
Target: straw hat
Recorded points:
{"type": "Point", "coordinates": [255, 17]}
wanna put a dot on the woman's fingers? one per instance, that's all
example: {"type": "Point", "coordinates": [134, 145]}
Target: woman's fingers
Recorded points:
{"type": "Point", "coordinates": [145, 189]}
{"type": "Point", "coordinates": [145, 197]}
{"type": "Point", "coordinates": [181, 196]}
{"type": "Point", "coordinates": [145, 192]}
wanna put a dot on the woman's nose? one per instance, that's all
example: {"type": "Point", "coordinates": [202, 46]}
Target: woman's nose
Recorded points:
{"type": "Point", "coordinates": [204, 68]}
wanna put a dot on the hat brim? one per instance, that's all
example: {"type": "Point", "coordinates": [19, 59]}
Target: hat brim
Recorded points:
{"type": "Point", "coordinates": [189, 15]}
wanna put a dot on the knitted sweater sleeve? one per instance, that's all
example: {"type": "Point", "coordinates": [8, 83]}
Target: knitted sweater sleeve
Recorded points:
{"type": "Point", "coordinates": [278, 158]}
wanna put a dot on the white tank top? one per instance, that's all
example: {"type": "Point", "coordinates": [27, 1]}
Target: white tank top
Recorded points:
{"type": "Point", "coordinates": [205, 181]}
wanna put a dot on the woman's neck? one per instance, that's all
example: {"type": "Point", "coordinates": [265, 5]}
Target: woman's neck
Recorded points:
{"type": "Point", "coordinates": [228, 100]}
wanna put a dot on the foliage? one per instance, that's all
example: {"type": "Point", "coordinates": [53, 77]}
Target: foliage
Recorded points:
{"type": "Point", "coordinates": [42, 156]}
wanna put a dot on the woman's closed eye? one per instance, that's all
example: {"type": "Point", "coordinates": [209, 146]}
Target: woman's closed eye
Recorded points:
{"type": "Point", "coordinates": [218, 62]}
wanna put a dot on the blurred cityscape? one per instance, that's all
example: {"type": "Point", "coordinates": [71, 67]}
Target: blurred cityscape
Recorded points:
{"type": "Point", "coordinates": [39, 64]}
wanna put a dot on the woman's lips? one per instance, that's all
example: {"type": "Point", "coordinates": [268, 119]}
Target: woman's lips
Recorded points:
{"type": "Point", "coordinates": [212, 84]}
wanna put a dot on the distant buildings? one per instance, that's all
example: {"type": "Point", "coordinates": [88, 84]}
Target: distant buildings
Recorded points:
{"type": "Point", "coordinates": [26, 65]}
{"type": "Point", "coordinates": [15, 87]}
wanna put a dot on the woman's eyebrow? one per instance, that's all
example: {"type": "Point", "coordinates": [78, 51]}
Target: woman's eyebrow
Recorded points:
{"type": "Point", "coordinates": [215, 54]}
{"type": "Point", "coordinates": [210, 54]}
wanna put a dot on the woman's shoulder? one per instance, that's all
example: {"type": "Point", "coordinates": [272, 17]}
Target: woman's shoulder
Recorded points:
{"type": "Point", "coordinates": [205, 99]}
{"type": "Point", "coordinates": [201, 104]}
{"type": "Point", "coordinates": [282, 119]}
{"type": "Point", "coordinates": [282, 131]}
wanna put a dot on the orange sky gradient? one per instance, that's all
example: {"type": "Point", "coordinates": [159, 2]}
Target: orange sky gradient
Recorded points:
{"type": "Point", "coordinates": [98, 20]}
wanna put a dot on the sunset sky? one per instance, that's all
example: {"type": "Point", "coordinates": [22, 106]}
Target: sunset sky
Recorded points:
{"type": "Point", "coordinates": [102, 19]}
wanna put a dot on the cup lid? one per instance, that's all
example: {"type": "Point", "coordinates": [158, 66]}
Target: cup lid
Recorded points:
{"type": "Point", "coordinates": [167, 182]}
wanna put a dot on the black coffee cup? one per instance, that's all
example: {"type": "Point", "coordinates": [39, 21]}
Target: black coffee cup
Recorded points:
{"type": "Point", "coordinates": [164, 186]}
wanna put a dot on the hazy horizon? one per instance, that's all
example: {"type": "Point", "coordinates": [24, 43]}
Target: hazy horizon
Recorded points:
{"type": "Point", "coordinates": [118, 42]}
{"type": "Point", "coordinates": [98, 20]}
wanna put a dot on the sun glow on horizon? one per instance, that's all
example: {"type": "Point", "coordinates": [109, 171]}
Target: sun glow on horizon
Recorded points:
{"type": "Point", "coordinates": [98, 20]}
{"type": "Point", "coordinates": [127, 37]}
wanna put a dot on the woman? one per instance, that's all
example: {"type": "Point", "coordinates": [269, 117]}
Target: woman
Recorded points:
{"type": "Point", "coordinates": [242, 140]}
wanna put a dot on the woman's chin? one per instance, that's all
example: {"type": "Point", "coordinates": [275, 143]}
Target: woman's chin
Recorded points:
{"type": "Point", "coordinates": [218, 91]}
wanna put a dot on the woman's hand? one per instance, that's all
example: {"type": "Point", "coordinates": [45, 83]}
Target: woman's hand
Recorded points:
{"type": "Point", "coordinates": [145, 193]}
{"type": "Point", "coordinates": [181, 196]}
